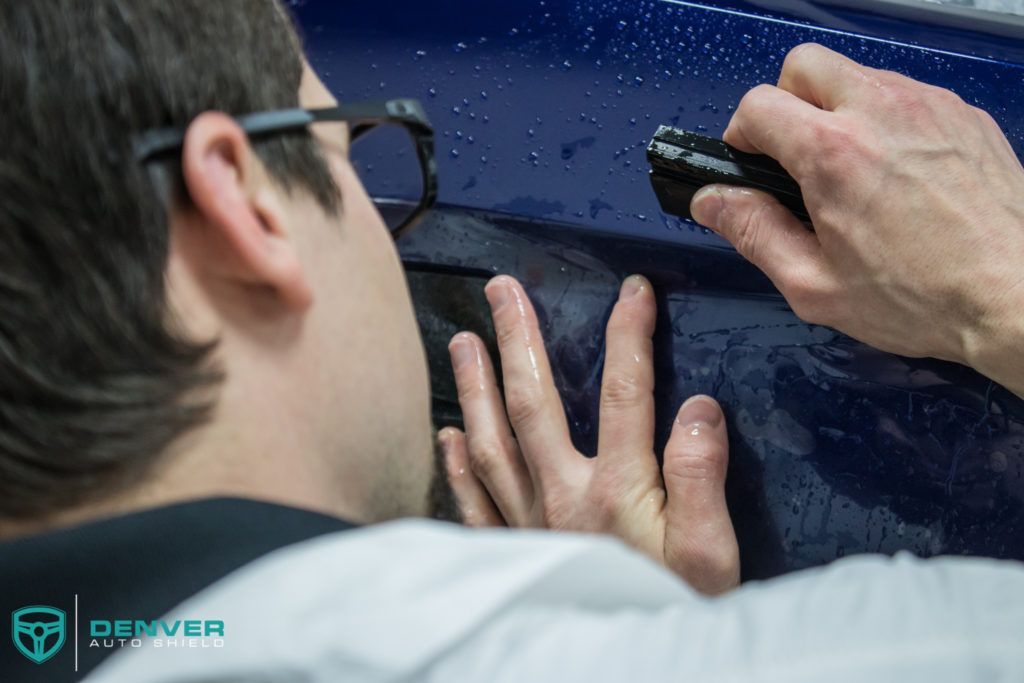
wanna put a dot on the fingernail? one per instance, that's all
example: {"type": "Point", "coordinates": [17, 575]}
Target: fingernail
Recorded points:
{"type": "Point", "coordinates": [631, 287]}
{"type": "Point", "coordinates": [702, 409]}
{"type": "Point", "coordinates": [462, 351]}
{"type": "Point", "coordinates": [706, 206]}
{"type": "Point", "coordinates": [498, 292]}
{"type": "Point", "coordinates": [444, 437]}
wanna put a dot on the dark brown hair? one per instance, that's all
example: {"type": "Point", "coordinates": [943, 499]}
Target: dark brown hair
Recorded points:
{"type": "Point", "coordinates": [94, 381]}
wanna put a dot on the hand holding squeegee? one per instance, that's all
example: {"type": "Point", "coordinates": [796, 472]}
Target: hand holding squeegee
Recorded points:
{"type": "Point", "coordinates": [683, 162]}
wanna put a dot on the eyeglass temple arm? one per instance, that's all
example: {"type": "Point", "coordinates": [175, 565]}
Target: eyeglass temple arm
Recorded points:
{"type": "Point", "coordinates": [406, 110]}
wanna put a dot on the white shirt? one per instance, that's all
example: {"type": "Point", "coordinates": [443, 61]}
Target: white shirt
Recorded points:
{"type": "Point", "coordinates": [426, 601]}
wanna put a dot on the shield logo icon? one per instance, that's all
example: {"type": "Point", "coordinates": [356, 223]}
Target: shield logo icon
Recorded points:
{"type": "Point", "coordinates": [38, 631]}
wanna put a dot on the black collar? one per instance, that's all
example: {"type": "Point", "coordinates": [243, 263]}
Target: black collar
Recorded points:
{"type": "Point", "coordinates": [136, 566]}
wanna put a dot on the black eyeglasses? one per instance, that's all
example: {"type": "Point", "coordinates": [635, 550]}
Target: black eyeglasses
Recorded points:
{"type": "Point", "coordinates": [402, 136]}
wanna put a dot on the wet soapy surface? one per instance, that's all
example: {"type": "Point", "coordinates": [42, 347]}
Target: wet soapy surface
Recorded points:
{"type": "Point", "coordinates": [835, 448]}
{"type": "Point", "coordinates": [543, 109]}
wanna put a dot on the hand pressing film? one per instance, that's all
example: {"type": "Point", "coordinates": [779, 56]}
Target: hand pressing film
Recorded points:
{"type": "Point", "coordinates": [516, 465]}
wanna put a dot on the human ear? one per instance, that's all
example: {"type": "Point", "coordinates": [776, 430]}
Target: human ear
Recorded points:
{"type": "Point", "coordinates": [235, 197]}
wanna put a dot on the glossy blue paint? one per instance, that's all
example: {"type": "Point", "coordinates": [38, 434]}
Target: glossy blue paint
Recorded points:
{"type": "Point", "coordinates": [543, 110]}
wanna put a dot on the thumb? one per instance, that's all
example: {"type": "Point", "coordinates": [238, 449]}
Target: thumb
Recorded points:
{"type": "Point", "coordinates": [762, 231]}
{"type": "Point", "coordinates": [700, 544]}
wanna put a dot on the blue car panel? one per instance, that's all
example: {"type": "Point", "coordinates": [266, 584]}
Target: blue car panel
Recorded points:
{"type": "Point", "coordinates": [543, 110]}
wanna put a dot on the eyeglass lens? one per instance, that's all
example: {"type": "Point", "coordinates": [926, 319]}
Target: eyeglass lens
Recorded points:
{"type": "Point", "coordinates": [385, 159]}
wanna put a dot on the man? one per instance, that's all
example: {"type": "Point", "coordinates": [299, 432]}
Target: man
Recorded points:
{"type": "Point", "coordinates": [199, 334]}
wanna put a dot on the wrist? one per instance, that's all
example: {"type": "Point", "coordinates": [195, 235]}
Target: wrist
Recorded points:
{"type": "Point", "coordinates": [994, 344]}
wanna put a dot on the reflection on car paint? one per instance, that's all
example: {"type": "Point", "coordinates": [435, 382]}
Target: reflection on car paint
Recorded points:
{"type": "Point", "coordinates": [543, 110]}
{"type": "Point", "coordinates": [836, 447]}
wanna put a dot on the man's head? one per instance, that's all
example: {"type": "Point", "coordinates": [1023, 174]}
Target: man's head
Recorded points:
{"type": "Point", "coordinates": [232, 319]}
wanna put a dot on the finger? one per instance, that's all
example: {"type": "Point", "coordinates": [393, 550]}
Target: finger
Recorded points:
{"type": "Point", "coordinates": [534, 407]}
{"type": "Point", "coordinates": [775, 122]}
{"type": "Point", "coordinates": [766, 234]}
{"type": "Point", "coordinates": [700, 543]}
{"type": "Point", "coordinates": [626, 425]}
{"type": "Point", "coordinates": [822, 77]}
{"type": "Point", "coordinates": [475, 505]}
{"type": "Point", "coordinates": [493, 452]}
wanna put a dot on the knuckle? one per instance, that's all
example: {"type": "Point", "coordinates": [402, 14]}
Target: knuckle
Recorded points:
{"type": "Point", "coordinates": [748, 229]}
{"type": "Point", "coordinates": [838, 140]}
{"type": "Point", "coordinates": [705, 461]}
{"type": "Point", "coordinates": [945, 98]}
{"type": "Point", "coordinates": [803, 54]}
{"type": "Point", "coordinates": [623, 319]}
{"type": "Point", "coordinates": [485, 456]}
{"type": "Point", "coordinates": [523, 404]}
{"type": "Point", "coordinates": [631, 316]}
{"type": "Point", "coordinates": [907, 97]}
{"type": "Point", "coordinates": [620, 390]}
{"type": "Point", "coordinates": [467, 389]}
{"type": "Point", "coordinates": [755, 98]}
{"type": "Point", "coordinates": [753, 105]}
{"type": "Point", "coordinates": [506, 333]}
{"type": "Point", "coordinates": [987, 120]}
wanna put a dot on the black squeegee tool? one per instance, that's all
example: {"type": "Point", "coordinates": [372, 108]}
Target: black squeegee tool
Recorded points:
{"type": "Point", "coordinates": [683, 162]}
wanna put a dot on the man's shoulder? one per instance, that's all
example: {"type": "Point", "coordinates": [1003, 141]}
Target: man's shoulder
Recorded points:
{"type": "Point", "coordinates": [414, 558]}
{"type": "Point", "coordinates": [413, 600]}
{"type": "Point", "coordinates": [394, 596]}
